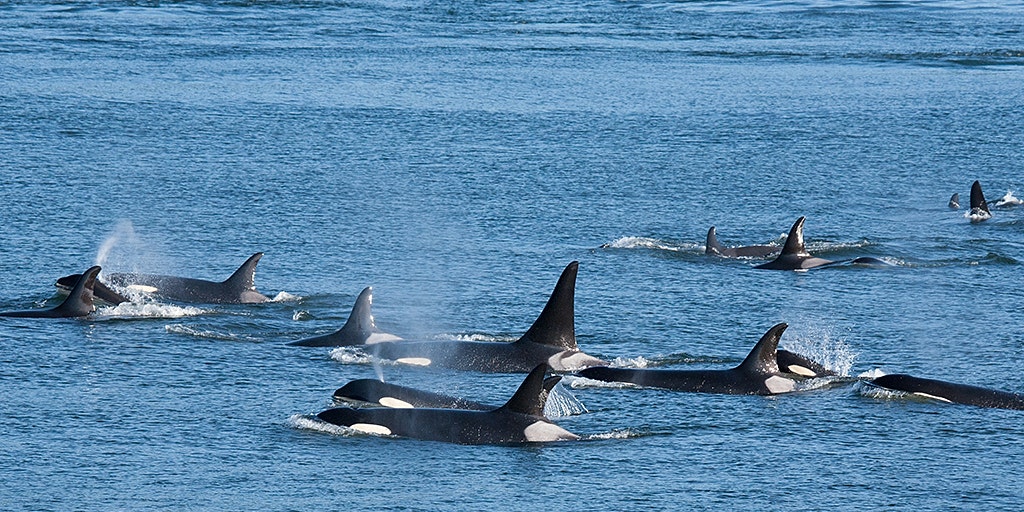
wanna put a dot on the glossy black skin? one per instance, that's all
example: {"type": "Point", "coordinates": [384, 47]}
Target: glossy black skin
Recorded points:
{"type": "Point", "coordinates": [954, 202]}
{"type": "Point", "coordinates": [713, 248]}
{"type": "Point", "coordinates": [956, 393]}
{"type": "Point", "coordinates": [787, 360]}
{"type": "Point", "coordinates": [550, 340]}
{"type": "Point", "coordinates": [100, 291]}
{"type": "Point", "coordinates": [237, 289]}
{"type": "Point", "coordinates": [979, 207]}
{"type": "Point", "coordinates": [78, 303]}
{"type": "Point", "coordinates": [746, 379]}
{"type": "Point", "coordinates": [371, 391]}
{"type": "Point", "coordinates": [794, 254]}
{"type": "Point", "coordinates": [503, 425]}
{"type": "Point", "coordinates": [356, 331]}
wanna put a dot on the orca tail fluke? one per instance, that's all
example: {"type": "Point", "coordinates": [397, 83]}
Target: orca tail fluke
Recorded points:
{"type": "Point", "coordinates": [80, 301]}
{"type": "Point", "coordinates": [763, 358]}
{"type": "Point", "coordinates": [532, 393]}
{"type": "Point", "coordinates": [556, 325]}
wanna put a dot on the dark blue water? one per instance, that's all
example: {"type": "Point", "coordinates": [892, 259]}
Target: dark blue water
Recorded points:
{"type": "Point", "coordinates": [457, 156]}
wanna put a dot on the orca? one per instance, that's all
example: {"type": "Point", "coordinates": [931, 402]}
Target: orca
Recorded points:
{"type": "Point", "coordinates": [954, 202]}
{"type": "Point", "coordinates": [551, 340]}
{"type": "Point", "coordinates": [377, 393]}
{"type": "Point", "coordinates": [950, 392]}
{"type": "Point", "coordinates": [790, 362]}
{"type": "Point", "coordinates": [713, 248]}
{"type": "Point", "coordinates": [521, 420]}
{"type": "Point", "coordinates": [77, 304]}
{"type": "Point", "coordinates": [758, 374]}
{"type": "Point", "coordinates": [979, 207]}
{"type": "Point", "coordinates": [237, 289]}
{"type": "Point", "coordinates": [794, 254]}
{"type": "Point", "coordinates": [360, 329]}
{"type": "Point", "coordinates": [99, 291]}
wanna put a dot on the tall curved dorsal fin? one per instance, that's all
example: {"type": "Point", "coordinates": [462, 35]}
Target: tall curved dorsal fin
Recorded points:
{"type": "Point", "coordinates": [978, 198]}
{"type": "Point", "coordinates": [79, 301]}
{"type": "Point", "coordinates": [360, 324]}
{"type": "Point", "coordinates": [795, 240]}
{"type": "Point", "coordinates": [762, 359]}
{"type": "Point", "coordinates": [556, 325]}
{"type": "Point", "coordinates": [712, 246]}
{"type": "Point", "coordinates": [245, 277]}
{"type": "Point", "coordinates": [532, 393]}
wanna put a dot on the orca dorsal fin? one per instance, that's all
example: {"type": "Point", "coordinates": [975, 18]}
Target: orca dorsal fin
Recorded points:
{"type": "Point", "coordinates": [762, 359]}
{"type": "Point", "coordinates": [79, 301]}
{"type": "Point", "coordinates": [532, 393]}
{"type": "Point", "coordinates": [978, 198]}
{"type": "Point", "coordinates": [556, 325]}
{"type": "Point", "coordinates": [360, 324]}
{"type": "Point", "coordinates": [712, 246]}
{"type": "Point", "coordinates": [245, 277]}
{"type": "Point", "coordinates": [795, 240]}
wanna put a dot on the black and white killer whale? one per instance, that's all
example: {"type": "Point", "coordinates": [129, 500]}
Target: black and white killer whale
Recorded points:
{"type": "Point", "coordinates": [794, 254]}
{"type": "Point", "coordinates": [520, 420]}
{"type": "Point", "coordinates": [240, 288]}
{"type": "Point", "coordinates": [758, 374]}
{"type": "Point", "coordinates": [550, 340]}
{"type": "Point", "coordinates": [979, 207]}
{"type": "Point", "coordinates": [375, 392]}
{"type": "Point", "coordinates": [78, 303]}
{"type": "Point", "coordinates": [950, 392]}
{"type": "Point", "coordinates": [713, 248]}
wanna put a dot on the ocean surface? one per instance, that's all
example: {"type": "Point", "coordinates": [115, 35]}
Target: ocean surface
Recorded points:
{"type": "Point", "coordinates": [456, 156]}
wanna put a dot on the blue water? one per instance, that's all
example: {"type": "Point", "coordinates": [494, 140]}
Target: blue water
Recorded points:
{"type": "Point", "coordinates": [457, 156]}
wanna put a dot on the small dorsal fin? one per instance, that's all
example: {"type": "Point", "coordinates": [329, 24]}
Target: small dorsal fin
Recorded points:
{"type": "Point", "coordinates": [954, 201]}
{"type": "Point", "coordinates": [532, 393]}
{"type": "Point", "coordinates": [245, 277]}
{"type": "Point", "coordinates": [360, 324]}
{"type": "Point", "coordinates": [978, 198]}
{"type": "Point", "coordinates": [762, 359]}
{"type": "Point", "coordinates": [712, 246]}
{"type": "Point", "coordinates": [556, 325]}
{"type": "Point", "coordinates": [79, 301]}
{"type": "Point", "coordinates": [795, 240]}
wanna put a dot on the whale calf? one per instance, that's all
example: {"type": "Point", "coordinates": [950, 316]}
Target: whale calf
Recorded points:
{"type": "Point", "coordinates": [794, 254]}
{"type": "Point", "coordinates": [99, 291]}
{"type": "Point", "coordinates": [240, 288]}
{"type": "Point", "coordinates": [375, 392]}
{"type": "Point", "coordinates": [520, 420]}
{"type": "Point", "coordinates": [78, 303]}
{"type": "Point", "coordinates": [714, 248]}
{"type": "Point", "coordinates": [950, 392]}
{"type": "Point", "coordinates": [758, 374]}
{"type": "Point", "coordinates": [550, 340]}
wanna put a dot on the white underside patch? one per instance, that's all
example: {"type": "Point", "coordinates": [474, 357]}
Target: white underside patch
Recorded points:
{"type": "Point", "coordinates": [415, 361]}
{"type": "Point", "coordinates": [542, 432]}
{"type": "Point", "coordinates": [370, 428]}
{"type": "Point", "coordinates": [933, 397]}
{"type": "Point", "coordinates": [568, 360]}
{"type": "Point", "coordinates": [776, 384]}
{"type": "Point", "coordinates": [142, 288]}
{"type": "Point", "coordinates": [381, 337]}
{"type": "Point", "coordinates": [394, 403]}
{"type": "Point", "coordinates": [800, 370]}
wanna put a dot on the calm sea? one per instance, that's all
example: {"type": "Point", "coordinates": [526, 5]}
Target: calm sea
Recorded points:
{"type": "Point", "coordinates": [456, 156]}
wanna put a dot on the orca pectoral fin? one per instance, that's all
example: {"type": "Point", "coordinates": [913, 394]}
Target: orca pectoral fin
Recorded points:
{"type": "Point", "coordinates": [556, 325]}
{"type": "Point", "coordinates": [532, 393]}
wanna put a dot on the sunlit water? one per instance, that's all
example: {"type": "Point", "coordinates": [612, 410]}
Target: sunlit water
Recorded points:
{"type": "Point", "coordinates": [456, 156]}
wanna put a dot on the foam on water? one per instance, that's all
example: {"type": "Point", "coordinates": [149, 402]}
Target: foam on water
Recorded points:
{"type": "Point", "coordinates": [351, 355]}
{"type": "Point", "coordinates": [1008, 200]}
{"type": "Point", "coordinates": [188, 330]}
{"type": "Point", "coordinates": [307, 422]}
{"type": "Point", "coordinates": [636, 242]}
{"type": "Point", "coordinates": [286, 297]}
{"type": "Point", "coordinates": [148, 310]}
{"type": "Point", "coordinates": [562, 403]}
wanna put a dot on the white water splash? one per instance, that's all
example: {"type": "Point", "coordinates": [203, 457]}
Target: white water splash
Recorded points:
{"type": "Point", "coordinates": [820, 345]}
{"type": "Point", "coordinates": [630, 362]}
{"type": "Point", "coordinates": [614, 434]}
{"type": "Point", "coordinates": [306, 422]}
{"type": "Point", "coordinates": [148, 310]}
{"type": "Point", "coordinates": [577, 382]}
{"type": "Point", "coordinates": [286, 297]}
{"type": "Point", "coordinates": [206, 334]}
{"type": "Point", "coordinates": [977, 215]}
{"type": "Point", "coordinates": [562, 403]}
{"type": "Point", "coordinates": [1008, 200]}
{"type": "Point", "coordinates": [636, 242]}
{"type": "Point", "coordinates": [350, 355]}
